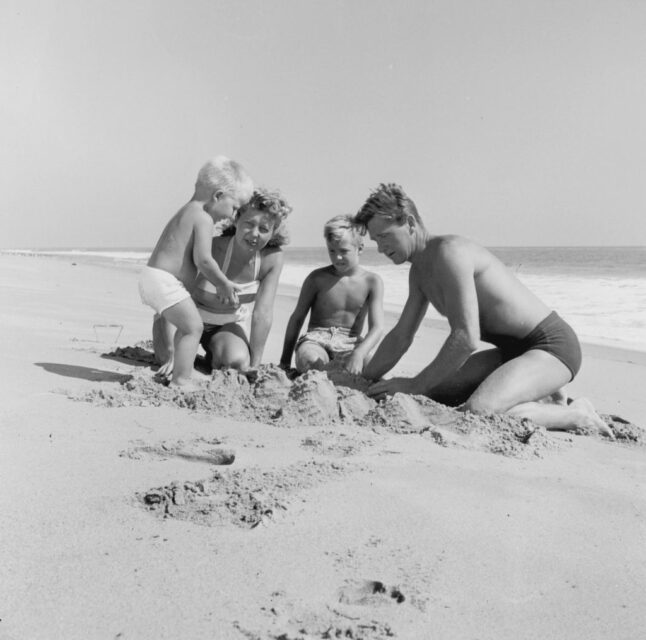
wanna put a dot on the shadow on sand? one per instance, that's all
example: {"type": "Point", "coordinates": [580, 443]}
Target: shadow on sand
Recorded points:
{"type": "Point", "coordinates": [85, 373]}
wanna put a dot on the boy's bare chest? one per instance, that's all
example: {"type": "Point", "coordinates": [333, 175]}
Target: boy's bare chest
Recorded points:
{"type": "Point", "coordinates": [347, 294]}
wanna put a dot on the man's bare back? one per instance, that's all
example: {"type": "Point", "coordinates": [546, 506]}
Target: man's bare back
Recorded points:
{"type": "Point", "coordinates": [505, 305]}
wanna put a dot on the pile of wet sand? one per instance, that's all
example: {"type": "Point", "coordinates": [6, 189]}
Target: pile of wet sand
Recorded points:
{"type": "Point", "coordinates": [329, 399]}
{"type": "Point", "coordinates": [336, 398]}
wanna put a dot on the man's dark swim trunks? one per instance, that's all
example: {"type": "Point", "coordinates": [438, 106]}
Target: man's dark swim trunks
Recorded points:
{"type": "Point", "coordinates": [553, 335]}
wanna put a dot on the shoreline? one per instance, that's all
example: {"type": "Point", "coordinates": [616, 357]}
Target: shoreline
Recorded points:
{"type": "Point", "coordinates": [590, 347]}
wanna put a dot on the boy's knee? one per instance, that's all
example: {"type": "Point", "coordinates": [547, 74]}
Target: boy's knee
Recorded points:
{"type": "Point", "coordinates": [306, 359]}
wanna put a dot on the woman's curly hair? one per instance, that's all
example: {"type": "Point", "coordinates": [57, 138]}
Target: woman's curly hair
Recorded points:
{"type": "Point", "coordinates": [272, 203]}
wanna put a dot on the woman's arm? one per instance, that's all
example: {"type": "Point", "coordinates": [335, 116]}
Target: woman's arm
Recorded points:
{"type": "Point", "coordinates": [263, 310]}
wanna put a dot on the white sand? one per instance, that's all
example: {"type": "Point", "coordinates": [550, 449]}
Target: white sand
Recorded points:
{"type": "Point", "coordinates": [479, 545]}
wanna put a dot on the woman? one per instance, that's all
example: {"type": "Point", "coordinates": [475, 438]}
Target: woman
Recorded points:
{"type": "Point", "coordinates": [235, 334]}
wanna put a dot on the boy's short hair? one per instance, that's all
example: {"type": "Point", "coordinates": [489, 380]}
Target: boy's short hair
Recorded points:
{"type": "Point", "coordinates": [270, 202]}
{"type": "Point", "coordinates": [388, 200]}
{"type": "Point", "coordinates": [222, 174]}
{"type": "Point", "coordinates": [336, 228]}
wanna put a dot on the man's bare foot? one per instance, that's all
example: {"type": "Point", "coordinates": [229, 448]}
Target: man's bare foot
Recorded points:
{"type": "Point", "coordinates": [590, 419]}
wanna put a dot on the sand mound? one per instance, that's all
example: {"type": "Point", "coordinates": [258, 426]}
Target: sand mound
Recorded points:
{"type": "Point", "coordinates": [244, 498]}
{"type": "Point", "coordinates": [318, 398]}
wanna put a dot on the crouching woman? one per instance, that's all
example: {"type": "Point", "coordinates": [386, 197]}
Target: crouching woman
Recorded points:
{"type": "Point", "coordinates": [251, 257]}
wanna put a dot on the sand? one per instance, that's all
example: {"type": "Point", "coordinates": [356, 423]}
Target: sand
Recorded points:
{"type": "Point", "coordinates": [293, 509]}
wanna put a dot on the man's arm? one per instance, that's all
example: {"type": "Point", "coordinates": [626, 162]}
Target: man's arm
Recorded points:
{"type": "Point", "coordinates": [454, 271]}
{"type": "Point", "coordinates": [400, 337]}
{"type": "Point", "coordinates": [263, 310]}
{"type": "Point", "coordinates": [296, 320]}
{"type": "Point", "coordinates": [205, 263]}
{"type": "Point", "coordinates": [375, 325]}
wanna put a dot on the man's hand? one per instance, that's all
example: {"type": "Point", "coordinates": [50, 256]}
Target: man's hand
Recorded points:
{"type": "Point", "coordinates": [384, 388]}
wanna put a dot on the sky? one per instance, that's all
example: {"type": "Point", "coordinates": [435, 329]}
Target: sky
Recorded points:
{"type": "Point", "coordinates": [512, 122]}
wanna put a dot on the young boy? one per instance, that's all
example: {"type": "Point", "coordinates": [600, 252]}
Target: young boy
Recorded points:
{"type": "Point", "coordinates": [338, 298]}
{"type": "Point", "coordinates": [183, 249]}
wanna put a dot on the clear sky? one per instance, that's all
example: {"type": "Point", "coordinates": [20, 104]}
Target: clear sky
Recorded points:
{"type": "Point", "coordinates": [513, 122]}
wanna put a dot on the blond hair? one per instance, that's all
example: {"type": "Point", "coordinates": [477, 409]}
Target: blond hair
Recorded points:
{"type": "Point", "coordinates": [336, 228]}
{"type": "Point", "coordinates": [222, 174]}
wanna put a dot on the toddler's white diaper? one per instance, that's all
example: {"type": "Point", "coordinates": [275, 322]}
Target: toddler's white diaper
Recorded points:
{"type": "Point", "coordinates": [160, 289]}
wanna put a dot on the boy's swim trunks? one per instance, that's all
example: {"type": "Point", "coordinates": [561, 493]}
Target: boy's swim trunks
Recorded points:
{"type": "Point", "coordinates": [336, 341]}
{"type": "Point", "coordinates": [552, 334]}
{"type": "Point", "coordinates": [160, 289]}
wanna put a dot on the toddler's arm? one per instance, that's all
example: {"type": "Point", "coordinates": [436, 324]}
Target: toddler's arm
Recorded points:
{"type": "Point", "coordinates": [227, 290]}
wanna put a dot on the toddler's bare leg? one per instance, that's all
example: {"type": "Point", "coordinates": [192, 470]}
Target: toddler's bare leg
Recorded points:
{"type": "Point", "coordinates": [163, 335]}
{"type": "Point", "coordinates": [185, 317]}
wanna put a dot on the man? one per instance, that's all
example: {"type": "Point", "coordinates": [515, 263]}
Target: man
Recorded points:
{"type": "Point", "coordinates": [535, 354]}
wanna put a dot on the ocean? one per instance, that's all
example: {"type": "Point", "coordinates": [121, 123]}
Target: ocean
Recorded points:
{"type": "Point", "coordinates": [600, 291]}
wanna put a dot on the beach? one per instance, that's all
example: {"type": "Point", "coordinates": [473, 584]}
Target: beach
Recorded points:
{"type": "Point", "coordinates": [126, 515]}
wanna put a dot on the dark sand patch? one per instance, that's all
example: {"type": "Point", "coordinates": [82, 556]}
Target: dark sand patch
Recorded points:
{"type": "Point", "coordinates": [140, 353]}
{"type": "Point", "coordinates": [244, 498]}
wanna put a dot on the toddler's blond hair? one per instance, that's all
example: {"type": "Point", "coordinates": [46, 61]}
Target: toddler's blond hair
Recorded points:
{"type": "Point", "coordinates": [222, 174]}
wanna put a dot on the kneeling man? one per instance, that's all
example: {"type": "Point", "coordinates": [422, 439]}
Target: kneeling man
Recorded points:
{"type": "Point", "coordinates": [536, 352]}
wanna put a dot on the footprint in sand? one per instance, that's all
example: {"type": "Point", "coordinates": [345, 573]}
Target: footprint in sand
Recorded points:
{"type": "Point", "coordinates": [370, 592]}
{"type": "Point", "coordinates": [190, 452]}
